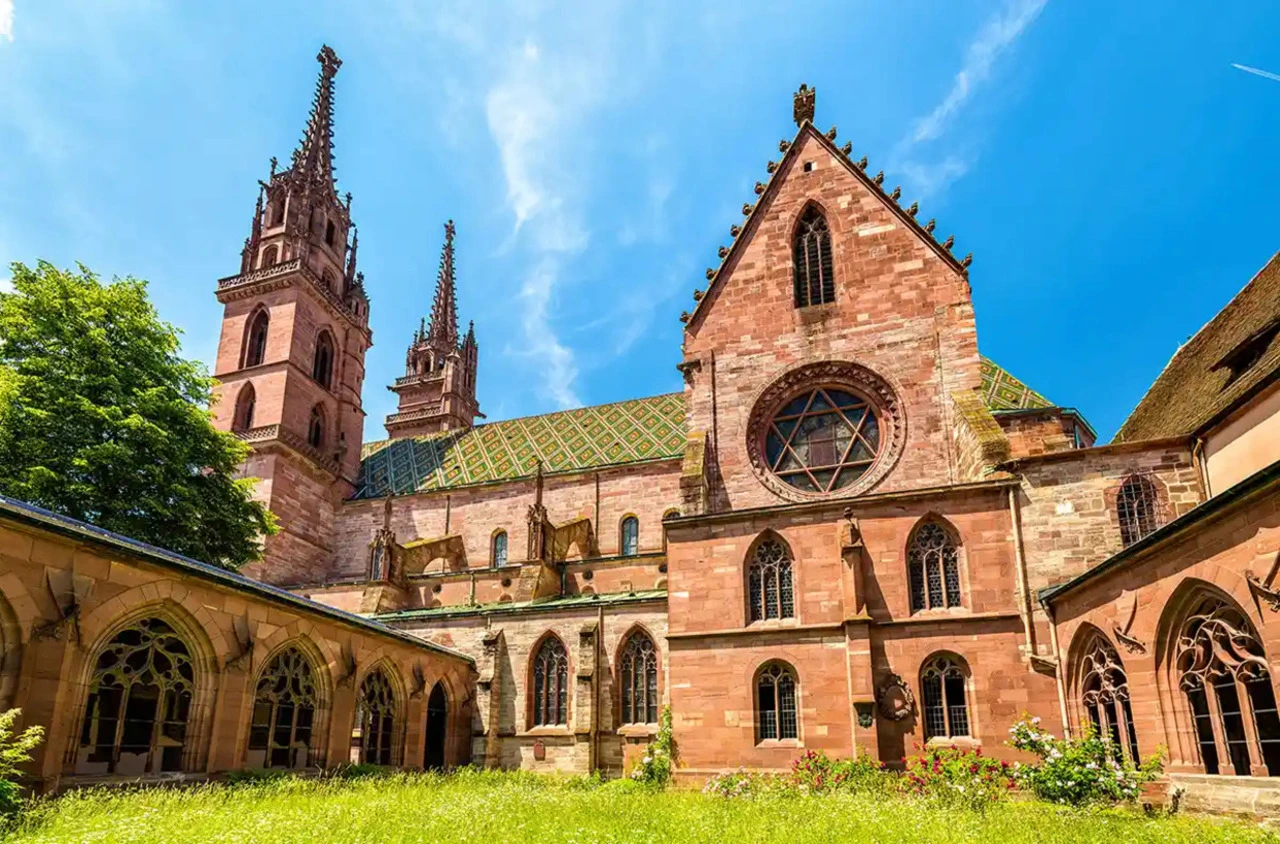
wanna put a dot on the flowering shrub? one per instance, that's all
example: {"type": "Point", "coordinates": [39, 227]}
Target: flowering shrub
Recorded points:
{"type": "Point", "coordinates": [744, 783]}
{"type": "Point", "coordinates": [1090, 769]}
{"type": "Point", "coordinates": [816, 773]}
{"type": "Point", "coordinates": [960, 777]}
{"type": "Point", "coordinates": [658, 762]}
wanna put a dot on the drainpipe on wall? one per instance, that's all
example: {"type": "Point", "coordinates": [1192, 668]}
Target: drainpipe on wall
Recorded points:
{"type": "Point", "coordinates": [1202, 468]}
{"type": "Point", "coordinates": [1024, 590]}
{"type": "Point", "coordinates": [1057, 672]}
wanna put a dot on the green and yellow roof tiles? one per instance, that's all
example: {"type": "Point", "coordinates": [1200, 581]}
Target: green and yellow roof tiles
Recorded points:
{"type": "Point", "coordinates": [586, 438]}
{"type": "Point", "coordinates": [572, 440]}
{"type": "Point", "coordinates": [1001, 391]}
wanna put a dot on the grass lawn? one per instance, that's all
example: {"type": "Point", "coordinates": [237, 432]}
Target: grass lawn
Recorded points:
{"type": "Point", "coordinates": [492, 807]}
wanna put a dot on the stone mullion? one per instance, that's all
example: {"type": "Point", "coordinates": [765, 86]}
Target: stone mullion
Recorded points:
{"type": "Point", "coordinates": [1219, 731]}
{"type": "Point", "coordinates": [1257, 767]}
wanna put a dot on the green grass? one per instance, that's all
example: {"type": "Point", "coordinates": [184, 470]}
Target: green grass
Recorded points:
{"type": "Point", "coordinates": [493, 807]}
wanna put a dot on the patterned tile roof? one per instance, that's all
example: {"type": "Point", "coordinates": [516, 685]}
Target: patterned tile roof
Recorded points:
{"type": "Point", "coordinates": [572, 440]}
{"type": "Point", "coordinates": [1001, 391]}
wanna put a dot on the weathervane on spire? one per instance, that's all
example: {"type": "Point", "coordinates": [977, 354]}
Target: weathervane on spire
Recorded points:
{"type": "Point", "coordinates": [803, 103]}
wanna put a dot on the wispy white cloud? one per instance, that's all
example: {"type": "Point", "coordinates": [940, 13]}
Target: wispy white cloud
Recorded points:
{"type": "Point", "coordinates": [556, 360]}
{"type": "Point", "coordinates": [6, 20]}
{"type": "Point", "coordinates": [1264, 74]}
{"type": "Point", "coordinates": [996, 36]}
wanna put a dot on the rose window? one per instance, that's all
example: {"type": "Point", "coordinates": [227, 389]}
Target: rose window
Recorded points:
{"type": "Point", "coordinates": [823, 440]}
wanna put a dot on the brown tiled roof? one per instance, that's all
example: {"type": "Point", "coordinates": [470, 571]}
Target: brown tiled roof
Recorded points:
{"type": "Point", "coordinates": [1198, 382]}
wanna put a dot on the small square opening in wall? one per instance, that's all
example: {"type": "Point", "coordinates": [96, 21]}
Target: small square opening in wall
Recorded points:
{"type": "Point", "coordinates": [808, 166]}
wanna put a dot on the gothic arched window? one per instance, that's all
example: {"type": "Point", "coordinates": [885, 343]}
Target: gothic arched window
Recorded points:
{"type": "Point", "coordinates": [500, 548]}
{"type": "Point", "coordinates": [374, 733]}
{"type": "Point", "coordinates": [814, 273]}
{"type": "Point", "coordinates": [1104, 691]}
{"type": "Point", "coordinates": [1138, 508]}
{"type": "Point", "coordinates": [255, 347]}
{"type": "Point", "coordinates": [243, 418]}
{"type": "Point", "coordinates": [284, 713]}
{"type": "Point", "coordinates": [551, 684]}
{"type": "Point", "coordinates": [630, 536]}
{"type": "Point", "coordinates": [1218, 652]}
{"type": "Point", "coordinates": [769, 581]}
{"type": "Point", "coordinates": [639, 669]}
{"type": "Point", "coordinates": [776, 710]}
{"type": "Point", "coordinates": [135, 720]}
{"type": "Point", "coordinates": [933, 564]}
{"type": "Point", "coordinates": [315, 427]}
{"type": "Point", "coordinates": [322, 367]}
{"type": "Point", "coordinates": [437, 732]}
{"type": "Point", "coordinates": [946, 709]}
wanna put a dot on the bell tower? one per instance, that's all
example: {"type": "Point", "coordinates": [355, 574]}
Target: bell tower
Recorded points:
{"type": "Point", "coordinates": [295, 329]}
{"type": "Point", "coordinates": [438, 390]}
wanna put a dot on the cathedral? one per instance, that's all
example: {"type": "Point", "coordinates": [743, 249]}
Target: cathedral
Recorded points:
{"type": "Point", "coordinates": [850, 532]}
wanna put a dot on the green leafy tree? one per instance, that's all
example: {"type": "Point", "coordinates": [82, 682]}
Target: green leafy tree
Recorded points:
{"type": "Point", "coordinates": [101, 419]}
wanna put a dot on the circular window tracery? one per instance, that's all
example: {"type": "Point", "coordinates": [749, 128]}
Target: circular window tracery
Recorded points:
{"type": "Point", "coordinates": [823, 440]}
{"type": "Point", "coordinates": [823, 429]}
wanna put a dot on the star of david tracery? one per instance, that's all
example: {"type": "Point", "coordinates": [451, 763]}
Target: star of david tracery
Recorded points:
{"type": "Point", "coordinates": [823, 440]}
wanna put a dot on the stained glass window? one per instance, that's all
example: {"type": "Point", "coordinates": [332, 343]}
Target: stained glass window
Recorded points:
{"type": "Point", "coordinates": [776, 703]}
{"type": "Point", "coordinates": [946, 710]}
{"type": "Point", "coordinates": [639, 669]}
{"type": "Point", "coordinates": [933, 565]}
{"type": "Point", "coordinates": [551, 684]}
{"type": "Point", "coordinates": [814, 274]}
{"type": "Point", "coordinates": [769, 582]}
{"type": "Point", "coordinates": [630, 536]}
{"type": "Point", "coordinates": [823, 440]}
{"type": "Point", "coordinates": [500, 548]}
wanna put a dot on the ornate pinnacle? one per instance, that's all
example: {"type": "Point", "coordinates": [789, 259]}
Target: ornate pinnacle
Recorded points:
{"type": "Point", "coordinates": [274, 164]}
{"type": "Point", "coordinates": [444, 311]}
{"type": "Point", "coordinates": [803, 102]}
{"type": "Point", "coordinates": [351, 257]}
{"type": "Point", "coordinates": [313, 159]}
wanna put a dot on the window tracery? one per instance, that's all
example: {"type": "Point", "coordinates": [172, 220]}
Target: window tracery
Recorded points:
{"type": "Point", "coordinates": [823, 440]}
{"type": "Point", "coordinates": [769, 588]}
{"type": "Point", "coordinates": [139, 702]}
{"type": "Point", "coordinates": [942, 688]}
{"type": "Point", "coordinates": [1105, 694]}
{"type": "Point", "coordinates": [933, 563]}
{"type": "Point", "coordinates": [1218, 650]}
{"type": "Point", "coordinates": [814, 270]}
{"type": "Point", "coordinates": [551, 684]}
{"type": "Point", "coordinates": [373, 737]}
{"type": "Point", "coordinates": [284, 711]}
{"type": "Point", "coordinates": [639, 670]}
{"type": "Point", "coordinates": [776, 703]}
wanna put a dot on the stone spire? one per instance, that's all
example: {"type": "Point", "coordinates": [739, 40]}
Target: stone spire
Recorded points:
{"type": "Point", "coordinates": [313, 159]}
{"type": "Point", "coordinates": [443, 333]}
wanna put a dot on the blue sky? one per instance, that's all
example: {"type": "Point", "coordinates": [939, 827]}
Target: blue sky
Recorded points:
{"type": "Point", "coordinates": [1113, 174]}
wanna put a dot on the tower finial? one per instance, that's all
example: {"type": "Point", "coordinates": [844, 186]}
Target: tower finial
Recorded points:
{"type": "Point", "coordinates": [313, 159]}
{"type": "Point", "coordinates": [444, 311]}
{"type": "Point", "coordinates": [803, 102]}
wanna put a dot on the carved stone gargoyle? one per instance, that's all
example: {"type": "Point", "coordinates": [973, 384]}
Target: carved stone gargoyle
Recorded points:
{"type": "Point", "coordinates": [68, 592]}
{"type": "Point", "coordinates": [244, 638]}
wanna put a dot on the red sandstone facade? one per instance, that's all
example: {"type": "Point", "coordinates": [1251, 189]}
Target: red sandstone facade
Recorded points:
{"type": "Point", "coordinates": [850, 533]}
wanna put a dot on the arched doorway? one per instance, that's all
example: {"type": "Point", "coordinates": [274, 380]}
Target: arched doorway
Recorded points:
{"type": "Point", "coordinates": [437, 728]}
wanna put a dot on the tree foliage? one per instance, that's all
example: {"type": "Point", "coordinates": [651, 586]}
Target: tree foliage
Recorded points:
{"type": "Point", "coordinates": [14, 750]}
{"type": "Point", "coordinates": [101, 419]}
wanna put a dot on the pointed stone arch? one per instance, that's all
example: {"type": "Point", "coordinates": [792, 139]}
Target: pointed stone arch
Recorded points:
{"type": "Point", "coordinates": [548, 681]}
{"type": "Point", "coordinates": [308, 726]}
{"type": "Point", "coordinates": [768, 573]}
{"type": "Point", "coordinates": [639, 696]}
{"type": "Point", "coordinates": [257, 332]}
{"type": "Point", "coordinates": [935, 564]}
{"type": "Point", "coordinates": [246, 402]}
{"type": "Point", "coordinates": [812, 257]}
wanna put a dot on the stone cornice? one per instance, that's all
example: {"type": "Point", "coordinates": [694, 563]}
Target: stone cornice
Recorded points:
{"type": "Point", "coordinates": [268, 434]}
{"type": "Point", "coordinates": [257, 282]}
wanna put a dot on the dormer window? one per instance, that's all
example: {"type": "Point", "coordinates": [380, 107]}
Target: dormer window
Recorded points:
{"type": "Point", "coordinates": [1248, 352]}
{"type": "Point", "coordinates": [814, 273]}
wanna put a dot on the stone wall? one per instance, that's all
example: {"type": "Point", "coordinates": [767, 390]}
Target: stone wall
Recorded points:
{"type": "Point", "coordinates": [233, 629]}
